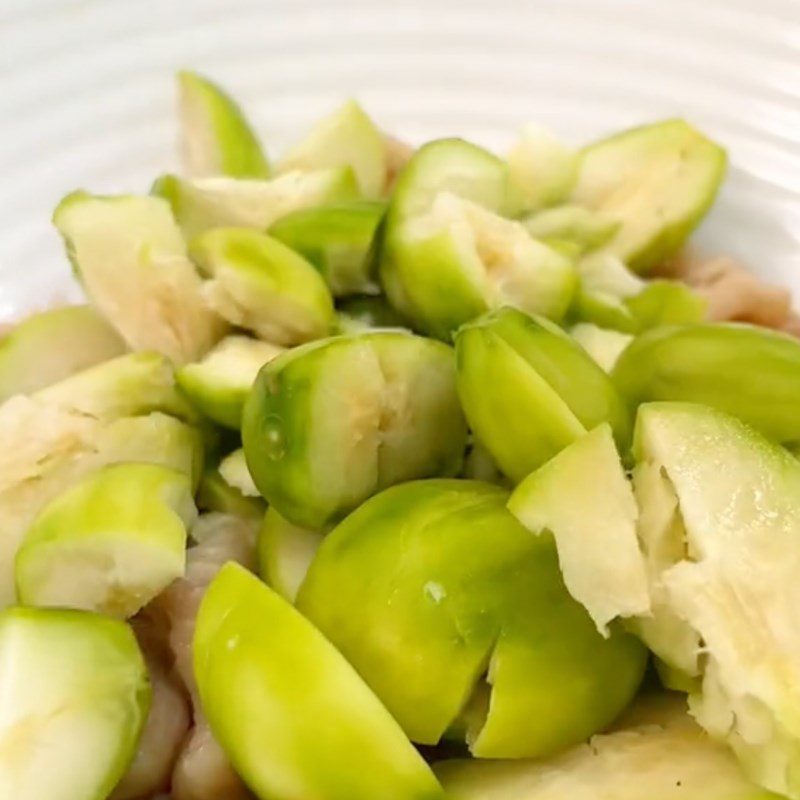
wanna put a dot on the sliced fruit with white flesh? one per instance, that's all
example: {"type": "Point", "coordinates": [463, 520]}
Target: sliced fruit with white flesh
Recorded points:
{"type": "Point", "coordinates": [750, 372]}
{"type": "Point", "coordinates": [52, 345]}
{"type": "Point", "coordinates": [48, 449]}
{"type": "Point", "coordinates": [110, 543]}
{"type": "Point", "coordinates": [345, 138]}
{"type": "Point", "coordinates": [528, 390]}
{"type": "Point", "coordinates": [336, 240]}
{"type": "Point", "coordinates": [586, 229]}
{"type": "Point", "coordinates": [603, 345]}
{"type": "Point", "coordinates": [541, 168]}
{"type": "Point", "coordinates": [258, 283]}
{"type": "Point", "coordinates": [288, 709]}
{"type": "Point", "coordinates": [657, 752]}
{"type": "Point", "coordinates": [76, 696]}
{"type": "Point", "coordinates": [332, 422]}
{"type": "Point", "coordinates": [658, 181]}
{"type": "Point", "coordinates": [132, 261]}
{"type": "Point", "coordinates": [216, 494]}
{"type": "Point", "coordinates": [579, 490]}
{"type": "Point", "coordinates": [285, 552]}
{"type": "Point", "coordinates": [729, 573]}
{"type": "Point", "coordinates": [462, 602]}
{"type": "Point", "coordinates": [126, 386]}
{"type": "Point", "coordinates": [219, 384]}
{"type": "Point", "coordinates": [459, 259]}
{"type": "Point", "coordinates": [216, 137]}
{"type": "Point", "coordinates": [235, 473]}
{"type": "Point", "coordinates": [222, 202]}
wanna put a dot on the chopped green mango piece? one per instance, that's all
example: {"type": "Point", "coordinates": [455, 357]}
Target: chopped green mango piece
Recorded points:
{"type": "Point", "coordinates": [730, 574]}
{"type": "Point", "coordinates": [330, 423]}
{"type": "Point", "coordinates": [285, 552]}
{"type": "Point", "coordinates": [216, 137]}
{"type": "Point", "coordinates": [49, 448]}
{"type": "Point", "coordinates": [336, 240]}
{"type": "Point", "coordinates": [750, 372]}
{"type": "Point", "coordinates": [52, 345]}
{"type": "Point", "coordinates": [110, 543]}
{"type": "Point", "coordinates": [223, 202]}
{"type": "Point", "coordinates": [234, 471]}
{"type": "Point", "coordinates": [665, 756]}
{"type": "Point", "coordinates": [345, 138]}
{"type": "Point", "coordinates": [289, 711]}
{"type": "Point", "coordinates": [658, 181]}
{"type": "Point", "coordinates": [126, 386]}
{"type": "Point", "coordinates": [542, 169]}
{"type": "Point", "coordinates": [219, 384]}
{"type": "Point", "coordinates": [611, 296]}
{"type": "Point", "coordinates": [480, 466]}
{"type": "Point", "coordinates": [75, 700]}
{"type": "Point", "coordinates": [528, 390]}
{"type": "Point", "coordinates": [131, 259]}
{"type": "Point", "coordinates": [583, 498]}
{"type": "Point", "coordinates": [459, 260]}
{"type": "Point", "coordinates": [576, 225]}
{"type": "Point", "coordinates": [457, 588]}
{"type": "Point", "coordinates": [258, 283]}
{"type": "Point", "coordinates": [216, 494]}
{"type": "Point", "coordinates": [603, 345]}
{"type": "Point", "coordinates": [361, 313]}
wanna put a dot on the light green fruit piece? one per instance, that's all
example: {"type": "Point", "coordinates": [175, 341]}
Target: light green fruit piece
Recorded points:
{"type": "Point", "coordinates": [234, 471]}
{"type": "Point", "coordinates": [541, 168]}
{"type": "Point", "coordinates": [658, 181]}
{"type": "Point", "coordinates": [52, 345]}
{"type": "Point", "coordinates": [528, 390]}
{"type": "Point", "coordinates": [219, 384]}
{"type": "Point", "coordinates": [131, 259]}
{"type": "Point", "coordinates": [330, 423]}
{"type": "Point", "coordinates": [110, 543]}
{"type": "Point", "coordinates": [216, 494]}
{"type": "Point", "coordinates": [750, 372]}
{"type": "Point", "coordinates": [285, 552]}
{"type": "Point", "coordinates": [126, 386]}
{"type": "Point", "coordinates": [76, 697]}
{"type": "Point", "coordinates": [611, 296]}
{"type": "Point", "coordinates": [361, 313]}
{"type": "Point", "coordinates": [345, 138]}
{"type": "Point", "coordinates": [336, 240]}
{"type": "Point", "coordinates": [732, 578]}
{"type": "Point", "coordinates": [292, 715]}
{"type": "Point", "coordinates": [582, 496]}
{"type": "Point", "coordinates": [603, 345]}
{"type": "Point", "coordinates": [258, 283]}
{"type": "Point", "coordinates": [206, 203]}
{"type": "Point", "coordinates": [480, 466]}
{"type": "Point", "coordinates": [578, 226]}
{"type": "Point", "coordinates": [49, 449]}
{"type": "Point", "coordinates": [216, 137]}
{"type": "Point", "coordinates": [457, 589]}
{"type": "Point", "coordinates": [664, 756]}
{"type": "Point", "coordinates": [459, 259]}
{"type": "Point", "coordinates": [675, 679]}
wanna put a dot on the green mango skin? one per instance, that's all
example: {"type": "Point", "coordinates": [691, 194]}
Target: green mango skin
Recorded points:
{"type": "Point", "coordinates": [336, 240]}
{"type": "Point", "coordinates": [749, 372]}
{"type": "Point", "coordinates": [76, 689]}
{"type": "Point", "coordinates": [449, 585]}
{"type": "Point", "coordinates": [217, 138]}
{"type": "Point", "coordinates": [47, 347]}
{"type": "Point", "coordinates": [657, 180]}
{"type": "Point", "coordinates": [292, 715]}
{"type": "Point", "coordinates": [528, 390]}
{"type": "Point", "coordinates": [361, 313]}
{"type": "Point", "coordinates": [110, 543]}
{"type": "Point", "coordinates": [330, 423]}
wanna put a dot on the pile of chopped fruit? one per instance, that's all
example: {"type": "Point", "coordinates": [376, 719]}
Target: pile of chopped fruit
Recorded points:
{"type": "Point", "coordinates": [390, 474]}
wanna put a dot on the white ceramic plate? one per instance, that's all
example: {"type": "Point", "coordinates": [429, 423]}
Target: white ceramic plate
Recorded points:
{"type": "Point", "coordinates": [86, 94]}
